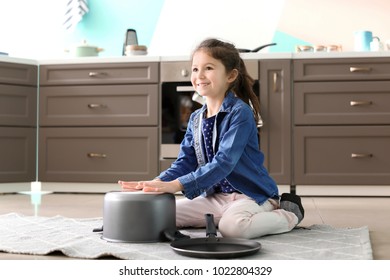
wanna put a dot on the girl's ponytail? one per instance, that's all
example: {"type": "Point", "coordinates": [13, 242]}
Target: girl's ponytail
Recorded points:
{"type": "Point", "coordinates": [243, 88]}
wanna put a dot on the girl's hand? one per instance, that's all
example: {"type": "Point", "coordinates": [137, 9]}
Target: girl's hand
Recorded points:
{"type": "Point", "coordinates": [130, 186]}
{"type": "Point", "coordinates": [152, 186]}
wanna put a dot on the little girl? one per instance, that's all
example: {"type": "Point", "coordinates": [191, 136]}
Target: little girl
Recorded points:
{"type": "Point", "coordinates": [219, 168]}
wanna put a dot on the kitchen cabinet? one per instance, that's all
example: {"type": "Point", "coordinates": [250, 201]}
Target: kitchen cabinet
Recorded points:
{"type": "Point", "coordinates": [326, 119]}
{"type": "Point", "coordinates": [18, 101]}
{"type": "Point", "coordinates": [275, 101]}
{"type": "Point", "coordinates": [341, 121]}
{"type": "Point", "coordinates": [98, 122]}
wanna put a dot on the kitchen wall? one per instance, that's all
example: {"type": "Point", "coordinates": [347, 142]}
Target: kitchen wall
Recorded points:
{"type": "Point", "coordinates": [33, 29]}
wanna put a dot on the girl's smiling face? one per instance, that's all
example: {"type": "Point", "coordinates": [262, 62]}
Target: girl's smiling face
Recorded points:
{"type": "Point", "coordinates": [209, 77]}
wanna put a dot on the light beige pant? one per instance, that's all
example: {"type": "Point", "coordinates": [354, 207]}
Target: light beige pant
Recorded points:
{"type": "Point", "coordinates": [236, 215]}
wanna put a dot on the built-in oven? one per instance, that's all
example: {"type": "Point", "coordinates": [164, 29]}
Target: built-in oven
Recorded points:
{"type": "Point", "coordinates": [178, 101]}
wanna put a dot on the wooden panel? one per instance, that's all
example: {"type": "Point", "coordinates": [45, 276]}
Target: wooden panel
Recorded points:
{"type": "Point", "coordinates": [342, 69]}
{"type": "Point", "coordinates": [18, 105]}
{"type": "Point", "coordinates": [17, 150]}
{"type": "Point", "coordinates": [116, 105]}
{"type": "Point", "coordinates": [18, 74]}
{"type": "Point", "coordinates": [350, 155]}
{"type": "Point", "coordinates": [97, 73]}
{"type": "Point", "coordinates": [97, 154]}
{"type": "Point", "coordinates": [275, 101]}
{"type": "Point", "coordinates": [342, 102]}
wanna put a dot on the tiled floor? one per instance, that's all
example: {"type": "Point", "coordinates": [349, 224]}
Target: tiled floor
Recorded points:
{"type": "Point", "coordinates": [335, 211]}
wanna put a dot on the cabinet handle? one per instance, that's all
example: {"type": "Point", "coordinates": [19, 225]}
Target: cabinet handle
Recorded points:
{"type": "Point", "coordinates": [360, 103]}
{"type": "Point", "coordinates": [355, 155]}
{"type": "Point", "coordinates": [360, 69]}
{"type": "Point", "coordinates": [96, 106]}
{"type": "Point", "coordinates": [275, 87]}
{"type": "Point", "coordinates": [96, 155]}
{"type": "Point", "coordinates": [96, 74]}
{"type": "Point", "coordinates": [184, 73]}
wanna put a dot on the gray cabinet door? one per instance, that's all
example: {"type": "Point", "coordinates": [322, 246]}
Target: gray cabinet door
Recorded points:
{"type": "Point", "coordinates": [275, 135]}
{"type": "Point", "coordinates": [337, 103]}
{"type": "Point", "coordinates": [342, 69]}
{"type": "Point", "coordinates": [18, 122]}
{"type": "Point", "coordinates": [18, 74]}
{"type": "Point", "coordinates": [99, 73]}
{"type": "Point", "coordinates": [104, 105]}
{"type": "Point", "coordinates": [17, 154]}
{"type": "Point", "coordinates": [104, 154]}
{"type": "Point", "coordinates": [342, 155]}
{"type": "Point", "coordinates": [18, 105]}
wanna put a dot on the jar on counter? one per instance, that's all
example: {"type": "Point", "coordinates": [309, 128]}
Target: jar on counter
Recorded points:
{"type": "Point", "coordinates": [320, 48]}
{"type": "Point", "coordinates": [334, 48]}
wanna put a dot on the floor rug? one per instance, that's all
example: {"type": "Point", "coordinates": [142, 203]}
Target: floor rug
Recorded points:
{"type": "Point", "coordinates": [74, 238]}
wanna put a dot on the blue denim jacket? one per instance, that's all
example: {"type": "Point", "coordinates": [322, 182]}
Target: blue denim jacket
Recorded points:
{"type": "Point", "coordinates": [237, 155]}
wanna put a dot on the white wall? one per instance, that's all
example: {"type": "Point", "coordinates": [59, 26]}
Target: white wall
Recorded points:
{"type": "Point", "coordinates": [32, 28]}
{"type": "Point", "coordinates": [182, 24]}
{"type": "Point", "coordinates": [326, 22]}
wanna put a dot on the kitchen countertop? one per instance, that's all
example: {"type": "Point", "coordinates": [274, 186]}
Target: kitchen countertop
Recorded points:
{"type": "Point", "coordinates": [148, 58]}
{"type": "Point", "coordinates": [11, 59]}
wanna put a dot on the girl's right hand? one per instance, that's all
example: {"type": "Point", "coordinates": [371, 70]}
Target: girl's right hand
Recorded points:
{"type": "Point", "coordinates": [131, 186]}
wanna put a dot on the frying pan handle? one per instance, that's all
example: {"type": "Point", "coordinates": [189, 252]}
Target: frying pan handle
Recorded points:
{"type": "Point", "coordinates": [211, 230]}
{"type": "Point", "coordinates": [263, 46]}
{"type": "Point", "coordinates": [98, 229]}
{"type": "Point", "coordinates": [174, 235]}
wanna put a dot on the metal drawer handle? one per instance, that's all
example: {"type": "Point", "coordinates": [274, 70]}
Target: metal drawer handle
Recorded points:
{"type": "Point", "coordinates": [360, 69]}
{"type": "Point", "coordinates": [96, 155]}
{"type": "Point", "coordinates": [96, 106]}
{"type": "Point", "coordinates": [360, 103]}
{"type": "Point", "coordinates": [275, 87]}
{"type": "Point", "coordinates": [355, 155]}
{"type": "Point", "coordinates": [96, 74]}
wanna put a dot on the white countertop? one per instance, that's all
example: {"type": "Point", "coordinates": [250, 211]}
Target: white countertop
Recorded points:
{"type": "Point", "coordinates": [11, 59]}
{"type": "Point", "coordinates": [96, 59]}
{"type": "Point", "coordinates": [147, 58]}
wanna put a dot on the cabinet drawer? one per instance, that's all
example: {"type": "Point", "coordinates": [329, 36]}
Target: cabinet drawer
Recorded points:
{"type": "Point", "coordinates": [97, 154]}
{"type": "Point", "coordinates": [19, 74]}
{"type": "Point", "coordinates": [99, 105]}
{"type": "Point", "coordinates": [179, 71]}
{"type": "Point", "coordinates": [18, 105]}
{"type": "Point", "coordinates": [95, 73]}
{"type": "Point", "coordinates": [342, 69]}
{"type": "Point", "coordinates": [358, 155]}
{"type": "Point", "coordinates": [17, 150]}
{"type": "Point", "coordinates": [342, 102]}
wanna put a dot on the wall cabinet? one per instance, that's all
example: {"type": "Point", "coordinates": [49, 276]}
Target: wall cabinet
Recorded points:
{"type": "Point", "coordinates": [18, 102]}
{"type": "Point", "coordinates": [341, 121]}
{"type": "Point", "coordinates": [98, 122]}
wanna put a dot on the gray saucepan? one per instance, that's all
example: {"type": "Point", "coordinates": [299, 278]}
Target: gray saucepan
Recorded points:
{"type": "Point", "coordinates": [138, 217]}
{"type": "Point", "coordinates": [213, 246]}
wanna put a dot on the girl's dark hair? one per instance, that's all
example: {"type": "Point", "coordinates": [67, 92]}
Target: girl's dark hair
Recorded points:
{"type": "Point", "coordinates": [230, 58]}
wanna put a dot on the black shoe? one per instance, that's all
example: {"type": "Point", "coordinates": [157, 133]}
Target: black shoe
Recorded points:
{"type": "Point", "coordinates": [292, 203]}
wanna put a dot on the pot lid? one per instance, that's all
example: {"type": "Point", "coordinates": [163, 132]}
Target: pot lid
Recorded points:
{"type": "Point", "coordinates": [84, 44]}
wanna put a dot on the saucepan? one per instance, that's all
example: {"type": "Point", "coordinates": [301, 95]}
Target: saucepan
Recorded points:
{"type": "Point", "coordinates": [257, 49]}
{"type": "Point", "coordinates": [213, 246]}
{"type": "Point", "coordinates": [138, 217]}
{"type": "Point", "coordinates": [84, 49]}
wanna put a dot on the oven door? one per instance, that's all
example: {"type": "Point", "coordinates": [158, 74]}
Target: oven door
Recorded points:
{"type": "Point", "coordinates": [177, 105]}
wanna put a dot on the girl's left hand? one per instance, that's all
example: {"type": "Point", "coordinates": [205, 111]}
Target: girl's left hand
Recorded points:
{"type": "Point", "coordinates": [152, 186]}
